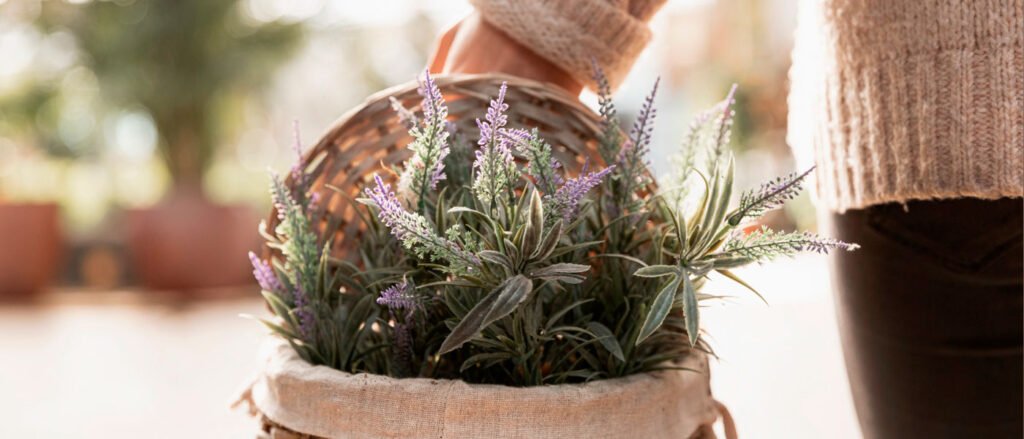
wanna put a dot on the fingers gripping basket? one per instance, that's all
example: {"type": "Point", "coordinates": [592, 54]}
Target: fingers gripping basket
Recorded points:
{"type": "Point", "coordinates": [298, 400]}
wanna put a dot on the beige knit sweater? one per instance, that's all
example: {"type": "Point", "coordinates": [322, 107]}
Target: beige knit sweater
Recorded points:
{"type": "Point", "coordinates": [572, 33]}
{"type": "Point", "coordinates": [897, 99]}
{"type": "Point", "coordinates": [910, 99]}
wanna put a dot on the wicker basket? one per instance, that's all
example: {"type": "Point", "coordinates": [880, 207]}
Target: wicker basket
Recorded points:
{"type": "Point", "coordinates": [370, 139]}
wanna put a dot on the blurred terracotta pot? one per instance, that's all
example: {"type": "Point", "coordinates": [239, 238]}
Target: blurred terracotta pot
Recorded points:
{"type": "Point", "coordinates": [188, 243]}
{"type": "Point", "coordinates": [29, 247]}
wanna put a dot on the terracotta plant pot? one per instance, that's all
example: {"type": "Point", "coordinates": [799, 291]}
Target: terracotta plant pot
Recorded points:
{"type": "Point", "coordinates": [188, 243]}
{"type": "Point", "coordinates": [29, 248]}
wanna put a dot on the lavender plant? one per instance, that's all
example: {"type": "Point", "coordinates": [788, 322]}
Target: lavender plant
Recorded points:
{"type": "Point", "coordinates": [490, 269]}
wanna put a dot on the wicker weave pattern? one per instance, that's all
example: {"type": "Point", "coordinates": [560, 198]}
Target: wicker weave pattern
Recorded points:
{"type": "Point", "coordinates": [371, 139]}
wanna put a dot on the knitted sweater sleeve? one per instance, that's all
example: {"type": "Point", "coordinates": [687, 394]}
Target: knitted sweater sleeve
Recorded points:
{"type": "Point", "coordinates": [909, 100]}
{"type": "Point", "coordinates": [574, 33]}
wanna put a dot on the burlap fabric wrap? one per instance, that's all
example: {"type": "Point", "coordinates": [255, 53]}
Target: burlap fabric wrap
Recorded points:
{"type": "Point", "coordinates": [324, 402]}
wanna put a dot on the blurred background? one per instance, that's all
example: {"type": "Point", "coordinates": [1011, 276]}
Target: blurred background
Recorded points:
{"type": "Point", "coordinates": [135, 138]}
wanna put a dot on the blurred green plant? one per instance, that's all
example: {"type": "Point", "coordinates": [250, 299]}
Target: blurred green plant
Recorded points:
{"type": "Point", "coordinates": [188, 63]}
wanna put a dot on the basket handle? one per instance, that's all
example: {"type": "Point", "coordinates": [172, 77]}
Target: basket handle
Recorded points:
{"type": "Point", "coordinates": [728, 423]}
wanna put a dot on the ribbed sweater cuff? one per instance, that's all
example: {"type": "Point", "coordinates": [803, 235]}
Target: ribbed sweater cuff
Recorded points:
{"type": "Point", "coordinates": [572, 33]}
{"type": "Point", "coordinates": [934, 117]}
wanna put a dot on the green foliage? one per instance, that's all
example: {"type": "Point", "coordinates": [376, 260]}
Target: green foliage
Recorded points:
{"type": "Point", "coordinates": [483, 284]}
{"type": "Point", "coordinates": [184, 61]}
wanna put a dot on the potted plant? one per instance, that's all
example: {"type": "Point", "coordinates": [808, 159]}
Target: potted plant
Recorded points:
{"type": "Point", "coordinates": [183, 62]}
{"type": "Point", "coordinates": [502, 299]}
{"type": "Point", "coordinates": [30, 247]}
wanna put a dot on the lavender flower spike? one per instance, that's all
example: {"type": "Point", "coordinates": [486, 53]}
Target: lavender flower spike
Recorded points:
{"type": "Point", "coordinates": [307, 321]}
{"type": "Point", "coordinates": [433, 102]}
{"type": "Point", "coordinates": [643, 126]}
{"type": "Point", "coordinates": [494, 166]}
{"type": "Point", "coordinates": [495, 118]}
{"type": "Point", "coordinates": [769, 196]}
{"type": "Point", "coordinates": [297, 169]}
{"type": "Point", "coordinates": [565, 202]}
{"type": "Point", "coordinates": [415, 232]}
{"type": "Point", "coordinates": [404, 114]}
{"type": "Point", "coordinates": [399, 296]}
{"type": "Point", "coordinates": [425, 169]}
{"type": "Point", "coordinates": [264, 275]}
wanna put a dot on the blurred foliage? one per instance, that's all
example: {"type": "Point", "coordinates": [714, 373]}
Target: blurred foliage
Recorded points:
{"type": "Point", "coordinates": [186, 62]}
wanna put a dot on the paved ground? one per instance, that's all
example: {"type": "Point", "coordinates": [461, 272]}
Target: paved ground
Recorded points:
{"type": "Point", "coordinates": [113, 365]}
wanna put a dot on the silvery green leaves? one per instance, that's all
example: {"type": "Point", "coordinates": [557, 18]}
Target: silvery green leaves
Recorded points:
{"type": "Point", "coordinates": [530, 248]}
{"type": "Point", "coordinates": [517, 262]}
{"type": "Point", "coordinates": [707, 239]}
{"type": "Point", "coordinates": [500, 302]}
{"type": "Point", "coordinates": [678, 284]}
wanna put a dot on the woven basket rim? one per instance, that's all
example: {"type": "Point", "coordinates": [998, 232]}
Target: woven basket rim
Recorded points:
{"type": "Point", "coordinates": [443, 79]}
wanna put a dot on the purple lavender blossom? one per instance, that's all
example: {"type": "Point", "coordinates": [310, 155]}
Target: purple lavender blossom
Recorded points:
{"type": "Point", "coordinates": [400, 296]}
{"type": "Point", "coordinates": [438, 173]}
{"type": "Point", "coordinates": [725, 120]}
{"type": "Point", "coordinates": [491, 129]}
{"type": "Point", "coordinates": [414, 231]}
{"type": "Point", "coordinates": [632, 156]}
{"type": "Point", "coordinates": [264, 275]}
{"type": "Point", "coordinates": [643, 126]}
{"type": "Point", "coordinates": [769, 196]}
{"type": "Point", "coordinates": [314, 201]}
{"type": "Point", "coordinates": [280, 196]}
{"type": "Point", "coordinates": [495, 119]}
{"type": "Point", "coordinates": [433, 102]}
{"type": "Point", "coordinates": [391, 211]}
{"type": "Point", "coordinates": [307, 321]}
{"type": "Point", "coordinates": [298, 176]}
{"type": "Point", "coordinates": [565, 202]}
{"type": "Point", "coordinates": [425, 169]}
{"type": "Point", "coordinates": [822, 245]}
{"type": "Point", "coordinates": [764, 244]}
{"type": "Point", "coordinates": [494, 166]}
{"type": "Point", "coordinates": [405, 116]}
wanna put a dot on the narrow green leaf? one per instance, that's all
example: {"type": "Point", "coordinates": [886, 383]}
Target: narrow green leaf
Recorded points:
{"type": "Point", "coordinates": [499, 303]}
{"type": "Point", "coordinates": [485, 357]}
{"type": "Point", "coordinates": [737, 279]}
{"type": "Point", "coordinates": [279, 307]}
{"type": "Point", "coordinates": [534, 229]}
{"type": "Point", "coordinates": [607, 339]}
{"type": "Point", "coordinates": [560, 268]}
{"type": "Point", "coordinates": [495, 258]}
{"type": "Point", "coordinates": [550, 242]}
{"type": "Point", "coordinates": [657, 271]}
{"type": "Point", "coordinates": [659, 309]}
{"type": "Point", "coordinates": [690, 310]}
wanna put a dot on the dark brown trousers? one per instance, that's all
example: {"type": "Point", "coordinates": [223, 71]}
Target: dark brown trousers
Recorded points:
{"type": "Point", "coordinates": [931, 313]}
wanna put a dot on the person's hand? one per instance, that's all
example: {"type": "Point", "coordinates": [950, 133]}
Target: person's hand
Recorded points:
{"type": "Point", "coordinates": [475, 46]}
